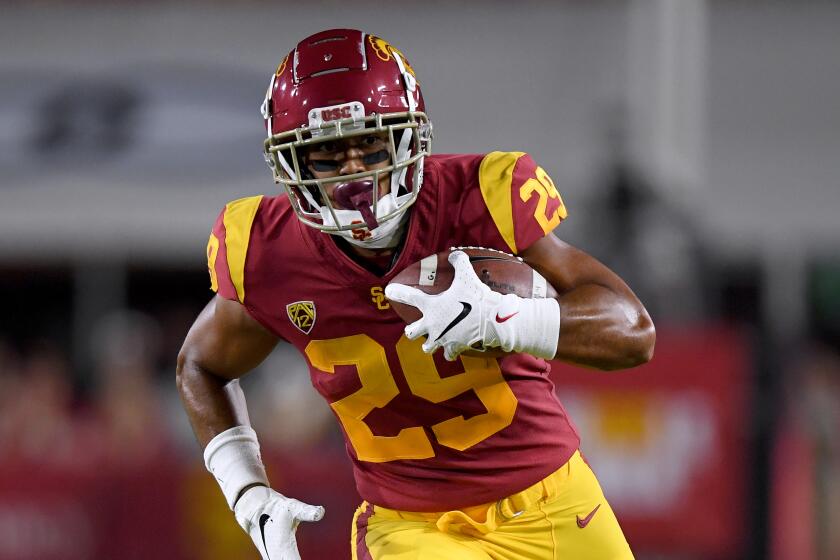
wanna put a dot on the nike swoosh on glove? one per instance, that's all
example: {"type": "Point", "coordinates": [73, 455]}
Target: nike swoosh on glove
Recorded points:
{"type": "Point", "coordinates": [464, 316]}
{"type": "Point", "coordinates": [271, 519]}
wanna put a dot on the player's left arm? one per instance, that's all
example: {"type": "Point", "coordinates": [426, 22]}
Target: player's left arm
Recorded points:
{"type": "Point", "coordinates": [602, 323]}
{"type": "Point", "coordinates": [596, 321]}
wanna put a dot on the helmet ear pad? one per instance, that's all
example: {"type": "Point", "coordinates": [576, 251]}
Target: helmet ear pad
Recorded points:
{"type": "Point", "coordinates": [291, 154]}
{"type": "Point", "coordinates": [305, 171]}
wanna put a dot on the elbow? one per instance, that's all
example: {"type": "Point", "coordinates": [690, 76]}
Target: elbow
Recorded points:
{"type": "Point", "coordinates": [637, 340]}
{"type": "Point", "coordinates": [635, 350]}
{"type": "Point", "coordinates": [189, 376]}
{"type": "Point", "coordinates": [643, 336]}
{"type": "Point", "coordinates": [181, 369]}
{"type": "Point", "coordinates": [649, 342]}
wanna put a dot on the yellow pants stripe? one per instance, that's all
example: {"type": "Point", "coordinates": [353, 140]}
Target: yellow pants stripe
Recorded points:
{"type": "Point", "coordinates": [359, 549]}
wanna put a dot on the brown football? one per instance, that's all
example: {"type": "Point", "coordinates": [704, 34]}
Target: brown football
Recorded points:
{"type": "Point", "coordinates": [502, 272]}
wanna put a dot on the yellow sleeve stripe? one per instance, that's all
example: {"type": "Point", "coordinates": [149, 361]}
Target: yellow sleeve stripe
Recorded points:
{"type": "Point", "coordinates": [212, 253]}
{"type": "Point", "coordinates": [495, 176]}
{"type": "Point", "coordinates": [239, 216]}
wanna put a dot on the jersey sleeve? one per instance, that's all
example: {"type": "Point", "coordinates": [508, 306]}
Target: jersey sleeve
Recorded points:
{"type": "Point", "coordinates": [521, 198]}
{"type": "Point", "coordinates": [227, 248]}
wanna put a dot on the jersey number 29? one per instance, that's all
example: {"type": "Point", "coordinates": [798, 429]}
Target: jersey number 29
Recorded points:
{"type": "Point", "coordinates": [378, 388]}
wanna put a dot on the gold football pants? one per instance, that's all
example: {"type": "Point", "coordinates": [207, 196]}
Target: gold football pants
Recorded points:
{"type": "Point", "coordinates": [564, 516]}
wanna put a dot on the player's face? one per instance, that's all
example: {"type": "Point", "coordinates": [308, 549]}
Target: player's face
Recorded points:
{"type": "Point", "coordinates": [350, 155]}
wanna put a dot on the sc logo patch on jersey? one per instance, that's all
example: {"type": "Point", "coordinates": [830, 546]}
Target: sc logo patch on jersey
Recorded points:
{"type": "Point", "coordinates": [377, 296]}
{"type": "Point", "coordinates": [302, 315]}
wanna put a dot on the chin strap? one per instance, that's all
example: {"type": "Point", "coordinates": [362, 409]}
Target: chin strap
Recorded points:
{"type": "Point", "coordinates": [386, 236]}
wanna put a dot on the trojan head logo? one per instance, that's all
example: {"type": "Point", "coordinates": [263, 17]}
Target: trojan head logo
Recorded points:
{"type": "Point", "coordinates": [302, 315]}
{"type": "Point", "coordinates": [282, 66]}
{"type": "Point", "coordinates": [384, 50]}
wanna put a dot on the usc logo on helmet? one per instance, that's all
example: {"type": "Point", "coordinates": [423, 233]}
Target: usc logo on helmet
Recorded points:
{"type": "Point", "coordinates": [336, 113]}
{"type": "Point", "coordinates": [383, 50]}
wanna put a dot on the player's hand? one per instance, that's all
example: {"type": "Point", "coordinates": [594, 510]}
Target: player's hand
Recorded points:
{"type": "Point", "coordinates": [271, 519]}
{"type": "Point", "coordinates": [459, 318]}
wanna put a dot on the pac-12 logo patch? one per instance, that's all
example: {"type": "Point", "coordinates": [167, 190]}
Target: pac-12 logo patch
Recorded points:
{"type": "Point", "coordinates": [302, 315]}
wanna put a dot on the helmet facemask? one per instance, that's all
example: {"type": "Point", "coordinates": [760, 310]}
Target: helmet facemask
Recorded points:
{"type": "Point", "coordinates": [408, 138]}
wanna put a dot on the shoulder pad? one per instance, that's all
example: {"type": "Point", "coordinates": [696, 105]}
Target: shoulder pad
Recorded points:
{"type": "Point", "coordinates": [521, 198]}
{"type": "Point", "coordinates": [227, 248]}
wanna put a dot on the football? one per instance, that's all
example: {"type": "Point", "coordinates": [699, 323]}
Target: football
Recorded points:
{"type": "Point", "coordinates": [502, 272]}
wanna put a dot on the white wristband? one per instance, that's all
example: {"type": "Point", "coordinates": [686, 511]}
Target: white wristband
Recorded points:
{"type": "Point", "coordinates": [527, 325]}
{"type": "Point", "coordinates": [233, 457]}
{"type": "Point", "coordinates": [539, 328]}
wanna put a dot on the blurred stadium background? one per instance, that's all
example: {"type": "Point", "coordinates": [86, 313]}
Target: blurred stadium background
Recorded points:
{"type": "Point", "coordinates": [697, 147]}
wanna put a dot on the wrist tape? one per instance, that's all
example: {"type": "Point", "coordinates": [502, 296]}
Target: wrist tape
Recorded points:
{"type": "Point", "coordinates": [528, 325]}
{"type": "Point", "coordinates": [233, 457]}
{"type": "Point", "coordinates": [539, 327]}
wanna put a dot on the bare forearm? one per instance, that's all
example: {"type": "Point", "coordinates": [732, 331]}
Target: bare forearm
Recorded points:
{"type": "Point", "coordinates": [223, 344]}
{"type": "Point", "coordinates": [603, 330]}
{"type": "Point", "coordinates": [213, 404]}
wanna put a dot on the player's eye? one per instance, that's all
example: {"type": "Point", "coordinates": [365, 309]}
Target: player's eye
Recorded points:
{"type": "Point", "coordinates": [324, 165]}
{"type": "Point", "coordinates": [326, 147]}
{"type": "Point", "coordinates": [371, 140]}
{"type": "Point", "coordinates": [375, 157]}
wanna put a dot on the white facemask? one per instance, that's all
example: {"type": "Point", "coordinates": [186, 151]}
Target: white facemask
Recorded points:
{"type": "Point", "coordinates": [386, 236]}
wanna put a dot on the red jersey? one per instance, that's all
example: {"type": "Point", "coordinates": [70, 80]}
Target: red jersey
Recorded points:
{"type": "Point", "coordinates": [424, 434]}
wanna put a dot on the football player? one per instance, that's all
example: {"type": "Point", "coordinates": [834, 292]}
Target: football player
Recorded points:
{"type": "Point", "coordinates": [454, 455]}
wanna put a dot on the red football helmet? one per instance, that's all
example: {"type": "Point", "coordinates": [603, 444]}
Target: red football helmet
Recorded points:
{"type": "Point", "coordinates": [337, 84]}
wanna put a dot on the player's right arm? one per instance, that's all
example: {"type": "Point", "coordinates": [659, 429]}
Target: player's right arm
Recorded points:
{"type": "Point", "coordinates": [223, 344]}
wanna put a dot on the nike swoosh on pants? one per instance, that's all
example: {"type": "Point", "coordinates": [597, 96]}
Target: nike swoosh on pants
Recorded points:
{"type": "Point", "coordinates": [585, 521]}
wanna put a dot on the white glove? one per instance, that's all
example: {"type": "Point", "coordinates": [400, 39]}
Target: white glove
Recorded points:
{"type": "Point", "coordinates": [469, 315]}
{"type": "Point", "coordinates": [271, 519]}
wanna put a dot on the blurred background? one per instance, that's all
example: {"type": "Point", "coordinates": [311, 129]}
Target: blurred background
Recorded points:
{"type": "Point", "coordinates": [695, 143]}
